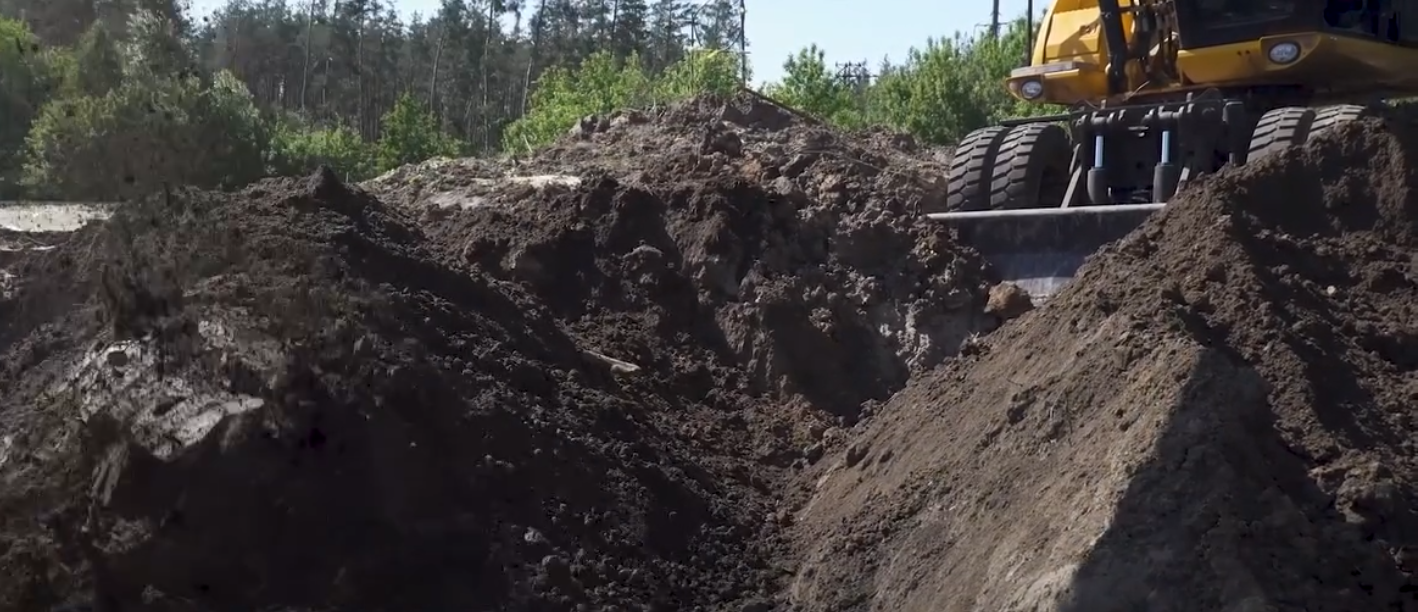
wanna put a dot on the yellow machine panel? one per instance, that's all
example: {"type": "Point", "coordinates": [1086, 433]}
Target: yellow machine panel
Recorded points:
{"type": "Point", "coordinates": [1069, 59]}
{"type": "Point", "coordinates": [1157, 94]}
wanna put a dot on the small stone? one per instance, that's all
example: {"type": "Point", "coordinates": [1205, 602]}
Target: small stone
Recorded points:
{"type": "Point", "coordinates": [1008, 301]}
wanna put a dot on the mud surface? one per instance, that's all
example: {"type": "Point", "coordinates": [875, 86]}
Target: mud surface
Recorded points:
{"type": "Point", "coordinates": [1218, 415]}
{"type": "Point", "coordinates": [570, 394]}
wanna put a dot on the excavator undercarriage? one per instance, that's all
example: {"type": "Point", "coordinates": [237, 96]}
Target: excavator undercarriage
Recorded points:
{"type": "Point", "coordinates": [1153, 111]}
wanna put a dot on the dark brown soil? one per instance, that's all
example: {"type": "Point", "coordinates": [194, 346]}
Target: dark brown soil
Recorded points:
{"type": "Point", "coordinates": [1217, 415]}
{"type": "Point", "coordinates": [702, 139]}
{"type": "Point", "coordinates": [732, 248]}
{"type": "Point", "coordinates": [585, 398]}
{"type": "Point", "coordinates": [397, 434]}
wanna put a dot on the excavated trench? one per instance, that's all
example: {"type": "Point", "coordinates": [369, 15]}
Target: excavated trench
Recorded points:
{"type": "Point", "coordinates": [720, 364]}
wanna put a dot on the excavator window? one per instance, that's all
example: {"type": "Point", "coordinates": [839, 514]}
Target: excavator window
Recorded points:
{"type": "Point", "coordinates": [1345, 14]}
{"type": "Point", "coordinates": [1379, 19]}
{"type": "Point", "coordinates": [1219, 11]}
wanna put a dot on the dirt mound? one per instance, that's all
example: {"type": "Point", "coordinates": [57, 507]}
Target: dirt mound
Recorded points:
{"type": "Point", "coordinates": [707, 137]}
{"type": "Point", "coordinates": [577, 381]}
{"type": "Point", "coordinates": [762, 290]}
{"type": "Point", "coordinates": [728, 245]}
{"type": "Point", "coordinates": [281, 399]}
{"type": "Point", "coordinates": [747, 135]}
{"type": "Point", "coordinates": [1217, 415]}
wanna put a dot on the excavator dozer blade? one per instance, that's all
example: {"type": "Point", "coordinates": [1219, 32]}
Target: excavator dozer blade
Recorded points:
{"type": "Point", "coordinates": [1040, 249]}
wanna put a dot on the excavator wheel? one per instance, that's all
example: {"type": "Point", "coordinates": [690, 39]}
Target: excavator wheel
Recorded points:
{"type": "Point", "coordinates": [1333, 116]}
{"type": "Point", "coordinates": [1294, 126]}
{"type": "Point", "coordinates": [971, 168]}
{"type": "Point", "coordinates": [1032, 168]}
{"type": "Point", "coordinates": [1280, 128]}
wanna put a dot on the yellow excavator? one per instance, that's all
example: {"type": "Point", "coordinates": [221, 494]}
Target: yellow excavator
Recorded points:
{"type": "Point", "coordinates": [1161, 92]}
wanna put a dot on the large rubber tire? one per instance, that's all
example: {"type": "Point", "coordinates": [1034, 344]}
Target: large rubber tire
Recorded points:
{"type": "Point", "coordinates": [1294, 126]}
{"type": "Point", "coordinates": [1330, 117]}
{"type": "Point", "coordinates": [968, 181]}
{"type": "Point", "coordinates": [1032, 168]}
{"type": "Point", "coordinates": [1279, 129]}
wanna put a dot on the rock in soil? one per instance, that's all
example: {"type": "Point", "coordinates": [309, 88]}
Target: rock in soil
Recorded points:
{"type": "Point", "coordinates": [1008, 301]}
{"type": "Point", "coordinates": [1218, 414]}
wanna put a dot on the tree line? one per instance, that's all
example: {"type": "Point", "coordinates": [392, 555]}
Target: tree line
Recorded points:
{"type": "Point", "coordinates": [104, 99]}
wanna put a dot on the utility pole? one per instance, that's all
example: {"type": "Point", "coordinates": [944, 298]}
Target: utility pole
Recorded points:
{"type": "Point", "coordinates": [994, 21]}
{"type": "Point", "coordinates": [855, 76]}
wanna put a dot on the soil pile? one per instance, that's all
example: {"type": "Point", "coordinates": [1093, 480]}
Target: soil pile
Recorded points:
{"type": "Point", "coordinates": [581, 389]}
{"type": "Point", "coordinates": [1217, 415]}
{"type": "Point", "coordinates": [280, 399]}
{"type": "Point", "coordinates": [725, 245]}
{"type": "Point", "coordinates": [707, 137]}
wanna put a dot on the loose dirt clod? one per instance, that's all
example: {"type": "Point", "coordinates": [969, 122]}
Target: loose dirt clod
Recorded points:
{"type": "Point", "coordinates": [1217, 415]}
{"type": "Point", "coordinates": [1008, 301]}
{"type": "Point", "coordinates": [586, 389]}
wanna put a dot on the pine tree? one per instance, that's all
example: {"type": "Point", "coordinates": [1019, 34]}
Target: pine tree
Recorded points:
{"type": "Point", "coordinates": [631, 27]}
{"type": "Point", "coordinates": [98, 65]}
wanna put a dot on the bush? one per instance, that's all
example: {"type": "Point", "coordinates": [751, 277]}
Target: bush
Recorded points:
{"type": "Point", "coordinates": [938, 94]}
{"type": "Point", "coordinates": [139, 137]}
{"type": "Point", "coordinates": [411, 135]}
{"type": "Point", "coordinates": [28, 77]}
{"type": "Point", "coordinates": [297, 149]}
{"type": "Point", "coordinates": [602, 85]}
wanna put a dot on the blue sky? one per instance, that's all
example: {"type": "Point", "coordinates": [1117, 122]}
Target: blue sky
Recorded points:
{"type": "Point", "coordinates": [848, 30]}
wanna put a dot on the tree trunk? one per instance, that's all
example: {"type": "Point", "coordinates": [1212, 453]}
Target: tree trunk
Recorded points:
{"type": "Point", "coordinates": [433, 107]}
{"type": "Point", "coordinates": [489, 28]}
{"type": "Point", "coordinates": [305, 70]}
{"type": "Point", "coordinates": [532, 56]}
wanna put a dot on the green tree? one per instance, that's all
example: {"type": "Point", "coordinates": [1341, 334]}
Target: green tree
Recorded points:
{"type": "Point", "coordinates": [155, 49]}
{"type": "Point", "coordinates": [563, 97]}
{"type": "Point", "coordinates": [297, 149]}
{"type": "Point", "coordinates": [98, 65]}
{"type": "Point", "coordinates": [227, 134]}
{"type": "Point", "coordinates": [715, 71]}
{"type": "Point", "coordinates": [952, 87]}
{"type": "Point", "coordinates": [411, 135]}
{"type": "Point", "coordinates": [808, 86]}
{"type": "Point", "coordinates": [26, 81]}
{"type": "Point", "coordinates": [146, 134]}
{"type": "Point", "coordinates": [601, 85]}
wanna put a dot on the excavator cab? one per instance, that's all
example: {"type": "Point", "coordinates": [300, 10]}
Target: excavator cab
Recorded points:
{"type": "Point", "coordinates": [1159, 93]}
